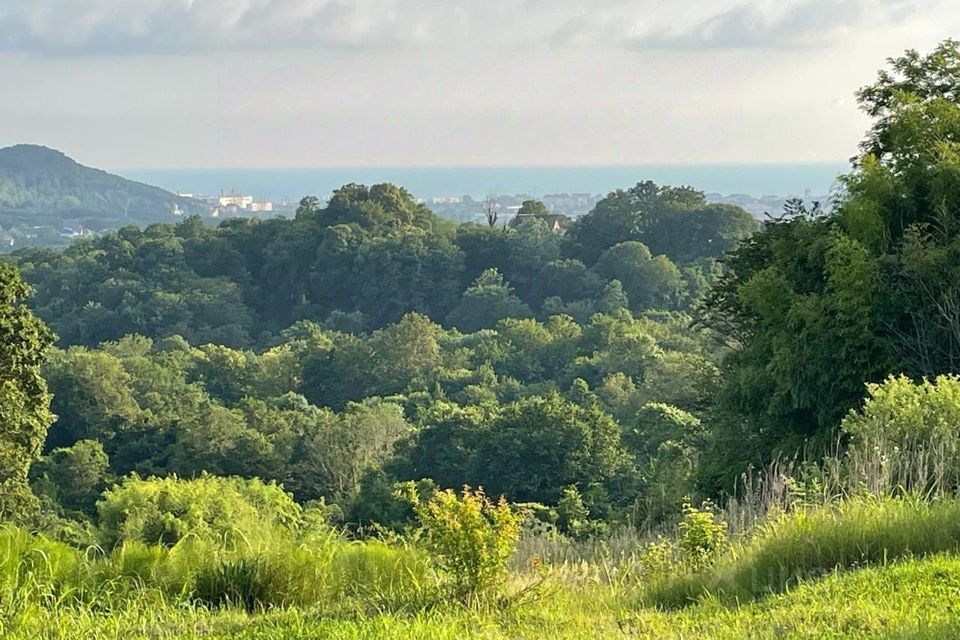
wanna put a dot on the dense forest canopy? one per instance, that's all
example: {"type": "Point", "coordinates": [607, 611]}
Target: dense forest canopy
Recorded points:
{"type": "Point", "coordinates": [644, 354]}
{"type": "Point", "coordinates": [371, 255]}
{"type": "Point", "coordinates": [820, 304]}
{"type": "Point", "coordinates": [368, 341]}
{"type": "Point", "coordinates": [339, 417]}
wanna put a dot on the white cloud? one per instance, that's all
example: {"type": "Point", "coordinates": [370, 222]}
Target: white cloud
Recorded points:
{"type": "Point", "coordinates": [398, 82]}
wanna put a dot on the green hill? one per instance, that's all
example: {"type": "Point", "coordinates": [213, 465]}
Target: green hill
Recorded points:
{"type": "Point", "coordinates": [42, 187]}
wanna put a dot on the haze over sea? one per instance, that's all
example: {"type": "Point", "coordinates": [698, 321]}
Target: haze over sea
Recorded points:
{"type": "Point", "coordinates": [781, 179]}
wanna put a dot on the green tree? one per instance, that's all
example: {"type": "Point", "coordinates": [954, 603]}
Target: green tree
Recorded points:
{"type": "Point", "coordinates": [539, 445]}
{"type": "Point", "coordinates": [533, 209]}
{"type": "Point", "coordinates": [446, 447]}
{"type": "Point", "coordinates": [337, 453]}
{"type": "Point", "coordinates": [646, 213]}
{"type": "Point", "coordinates": [404, 352]}
{"type": "Point", "coordinates": [93, 396]}
{"type": "Point", "coordinates": [567, 280]}
{"type": "Point", "coordinates": [337, 370]}
{"type": "Point", "coordinates": [487, 301]}
{"type": "Point", "coordinates": [24, 398]}
{"type": "Point", "coordinates": [817, 304]}
{"type": "Point", "coordinates": [648, 281]}
{"type": "Point", "coordinates": [911, 77]}
{"type": "Point", "coordinates": [219, 441]}
{"type": "Point", "coordinates": [75, 475]}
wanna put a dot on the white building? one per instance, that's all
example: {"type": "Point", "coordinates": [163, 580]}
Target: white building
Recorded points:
{"type": "Point", "coordinates": [234, 200]}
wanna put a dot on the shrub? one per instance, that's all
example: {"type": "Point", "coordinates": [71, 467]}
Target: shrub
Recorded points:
{"type": "Point", "coordinates": [905, 438]}
{"type": "Point", "coordinates": [657, 561]}
{"type": "Point", "coordinates": [899, 411]}
{"type": "Point", "coordinates": [702, 534]}
{"type": "Point", "coordinates": [165, 510]}
{"type": "Point", "coordinates": [574, 516]}
{"type": "Point", "coordinates": [469, 538]}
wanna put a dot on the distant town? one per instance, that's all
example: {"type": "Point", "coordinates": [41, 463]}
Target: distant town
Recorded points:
{"type": "Point", "coordinates": [463, 208]}
{"type": "Point", "coordinates": [573, 205]}
{"type": "Point", "coordinates": [466, 208]}
{"type": "Point", "coordinates": [227, 205]}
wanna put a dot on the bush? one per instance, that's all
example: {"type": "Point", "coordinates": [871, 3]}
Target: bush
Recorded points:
{"type": "Point", "coordinates": [898, 411]}
{"type": "Point", "coordinates": [469, 538]}
{"type": "Point", "coordinates": [165, 510]}
{"type": "Point", "coordinates": [702, 534]}
{"type": "Point", "coordinates": [573, 516]}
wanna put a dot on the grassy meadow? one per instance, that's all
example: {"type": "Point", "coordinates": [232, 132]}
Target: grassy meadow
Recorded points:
{"type": "Point", "coordinates": [864, 567]}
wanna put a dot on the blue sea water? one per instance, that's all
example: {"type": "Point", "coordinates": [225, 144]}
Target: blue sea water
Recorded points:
{"type": "Point", "coordinates": [782, 179]}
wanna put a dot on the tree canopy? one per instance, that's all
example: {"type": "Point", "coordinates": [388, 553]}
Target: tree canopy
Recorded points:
{"type": "Point", "coordinates": [24, 399]}
{"type": "Point", "coordinates": [366, 258]}
{"type": "Point", "coordinates": [818, 304]}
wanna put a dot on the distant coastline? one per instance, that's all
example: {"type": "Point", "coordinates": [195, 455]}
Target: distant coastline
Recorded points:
{"type": "Point", "coordinates": [779, 179]}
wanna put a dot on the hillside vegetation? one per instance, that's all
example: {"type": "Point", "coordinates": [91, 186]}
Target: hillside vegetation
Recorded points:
{"type": "Point", "coordinates": [373, 254]}
{"type": "Point", "coordinates": [368, 422]}
{"type": "Point", "coordinates": [42, 189]}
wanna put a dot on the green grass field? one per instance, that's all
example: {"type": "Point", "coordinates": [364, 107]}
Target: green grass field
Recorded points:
{"type": "Point", "coordinates": [862, 568]}
{"type": "Point", "coordinates": [909, 599]}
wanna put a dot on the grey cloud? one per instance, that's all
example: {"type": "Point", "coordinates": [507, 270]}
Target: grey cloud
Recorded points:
{"type": "Point", "coordinates": [777, 24]}
{"type": "Point", "coordinates": [748, 24]}
{"type": "Point", "coordinates": [78, 27]}
{"type": "Point", "coordinates": [171, 26]}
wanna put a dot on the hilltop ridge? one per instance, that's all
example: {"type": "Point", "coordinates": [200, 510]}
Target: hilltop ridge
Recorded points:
{"type": "Point", "coordinates": [42, 190]}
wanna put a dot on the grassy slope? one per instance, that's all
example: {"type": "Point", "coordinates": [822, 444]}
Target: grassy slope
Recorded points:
{"type": "Point", "coordinates": [805, 544]}
{"type": "Point", "coordinates": [911, 599]}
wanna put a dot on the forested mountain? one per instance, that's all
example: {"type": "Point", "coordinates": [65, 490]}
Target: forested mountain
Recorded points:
{"type": "Point", "coordinates": [41, 186]}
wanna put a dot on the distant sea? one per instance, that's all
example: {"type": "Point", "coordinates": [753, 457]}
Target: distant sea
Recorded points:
{"type": "Point", "coordinates": [781, 179]}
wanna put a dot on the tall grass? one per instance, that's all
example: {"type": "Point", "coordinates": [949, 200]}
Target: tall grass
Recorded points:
{"type": "Point", "coordinates": [930, 469]}
{"type": "Point", "coordinates": [808, 543]}
{"type": "Point", "coordinates": [321, 572]}
{"type": "Point", "coordinates": [796, 521]}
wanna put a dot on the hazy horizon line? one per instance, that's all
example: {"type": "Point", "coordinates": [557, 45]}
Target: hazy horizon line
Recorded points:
{"type": "Point", "coordinates": [620, 165]}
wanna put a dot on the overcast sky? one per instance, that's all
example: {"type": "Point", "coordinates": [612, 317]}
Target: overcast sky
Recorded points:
{"type": "Point", "coordinates": [310, 83]}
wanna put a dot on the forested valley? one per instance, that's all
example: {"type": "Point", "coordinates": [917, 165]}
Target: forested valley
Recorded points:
{"type": "Point", "coordinates": [663, 409]}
